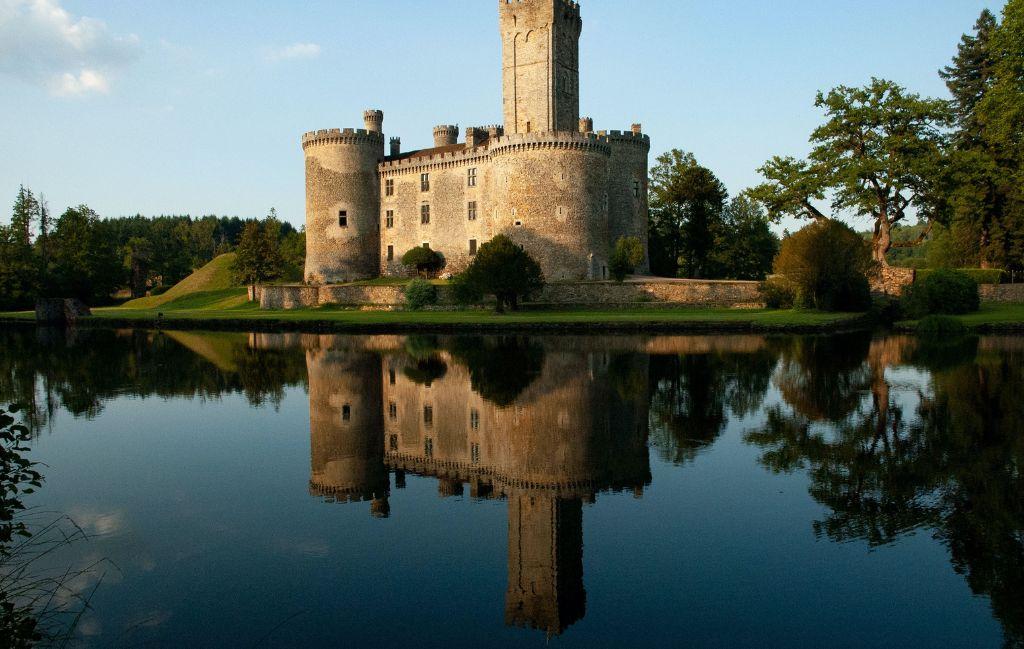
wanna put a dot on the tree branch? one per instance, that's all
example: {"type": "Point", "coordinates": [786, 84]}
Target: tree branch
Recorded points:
{"type": "Point", "coordinates": [915, 242]}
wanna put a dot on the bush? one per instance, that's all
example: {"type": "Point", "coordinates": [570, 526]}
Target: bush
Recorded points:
{"type": "Point", "coordinates": [947, 292]}
{"type": "Point", "coordinates": [941, 327]}
{"type": "Point", "coordinates": [777, 294]}
{"type": "Point", "coordinates": [465, 292]}
{"type": "Point", "coordinates": [626, 256]}
{"type": "Point", "coordinates": [979, 275]}
{"type": "Point", "coordinates": [420, 294]}
{"type": "Point", "coordinates": [826, 265]}
{"type": "Point", "coordinates": [159, 290]}
{"type": "Point", "coordinates": [424, 260]}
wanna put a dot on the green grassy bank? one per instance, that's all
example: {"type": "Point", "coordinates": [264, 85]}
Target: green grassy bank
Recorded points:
{"type": "Point", "coordinates": [227, 309]}
{"type": "Point", "coordinates": [993, 317]}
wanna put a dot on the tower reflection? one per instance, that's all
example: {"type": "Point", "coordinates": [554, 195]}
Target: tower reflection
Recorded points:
{"type": "Point", "coordinates": [540, 426]}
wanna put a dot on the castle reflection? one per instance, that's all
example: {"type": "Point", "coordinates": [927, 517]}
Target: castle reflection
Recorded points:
{"type": "Point", "coordinates": [540, 426]}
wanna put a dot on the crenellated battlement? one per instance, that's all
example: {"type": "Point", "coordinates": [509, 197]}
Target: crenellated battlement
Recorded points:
{"type": "Point", "coordinates": [550, 140]}
{"type": "Point", "coordinates": [564, 5]}
{"type": "Point", "coordinates": [435, 160]}
{"type": "Point", "coordinates": [626, 137]}
{"type": "Point", "coordinates": [356, 136]}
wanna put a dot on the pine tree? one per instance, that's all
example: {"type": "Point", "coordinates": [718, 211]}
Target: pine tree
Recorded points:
{"type": "Point", "coordinates": [970, 75]}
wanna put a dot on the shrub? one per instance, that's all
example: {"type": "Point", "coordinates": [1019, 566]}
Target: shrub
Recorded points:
{"type": "Point", "coordinates": [942, 292]}
{"type": "Point", "coordinates": [505, 270]}
{"type": "Point", "coordinates": [424, 260]}
{"type": "Point", "coordinates": [941, 327]}
{"type": "Point", "coordinates": [465, 292]}
{"type": "Point", "coordinates": [826, 265]}
{"type": "Point", "coordinates": [420, 294]}
{"type": "Point", "coordinates": [159, 290]}
{"type": "Point", "coordinates": [979, 275]}
{"type": "Point", "coordinates": [626, 256]}
{"type": "Point", "coordinates": [777, 293]}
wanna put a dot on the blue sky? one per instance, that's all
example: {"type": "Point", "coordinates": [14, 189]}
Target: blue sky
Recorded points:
{"type": "Point", "coordinates": [155, 107]}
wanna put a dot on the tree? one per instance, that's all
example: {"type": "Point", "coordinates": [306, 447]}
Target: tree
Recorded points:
{"type": "Point", "coordinates": [879, 154]}
{"type": "Point", "coordinates": [686, 207]}
{"type": "Point", "coordinates": [426, 261]}
{"type": "Point", "coordinates": [626, 256]}
{"type": "Point", "coordinates": [744, 243]}
{"type": "Point", "coordinates": [19, 271]}
{"type": "Point", "coordinates": [258, 258]}
{"type": "Point", "coordinates": [970, 75]}
{"type": "Point", "coordinates": [505, 270]}
{"type": "Point", "coordinates": [138, 253]}
{"type": "Point", "coordinates": [87, 264]}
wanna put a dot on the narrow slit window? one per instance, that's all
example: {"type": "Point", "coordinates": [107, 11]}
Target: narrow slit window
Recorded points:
{"type": "Point", "coordinates": [391, 257]}
{"type": "Point", "coordinates": [393, 442]}
{"type": "Point", "coordinates": [346, 412]}
{"type": "Point", "coordinates": [393, 410]}
{"type": "Point", "coordinates": [636, 188]}
{"type": "Point", "coordinates": [472, 247]}
{"type": "Point", "coordinates": [342, 219]}
{"type": "Point", "coordinates": [428, 415]}
{"type": "Point", "coordinates": [428, 447]}
{"type": "Point", "coordinates": [424, 214]}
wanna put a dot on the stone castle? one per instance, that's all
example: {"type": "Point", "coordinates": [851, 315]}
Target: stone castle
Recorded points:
{"type": "Point", "coordinates": [546, 179]}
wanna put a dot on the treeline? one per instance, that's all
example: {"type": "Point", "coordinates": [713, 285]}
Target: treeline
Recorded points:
{"type": "Point", "coordinates": [79, 254]}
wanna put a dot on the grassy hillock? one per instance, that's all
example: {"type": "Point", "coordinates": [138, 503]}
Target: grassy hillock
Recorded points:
{"type": "Point", "coordinates": [214, 277]}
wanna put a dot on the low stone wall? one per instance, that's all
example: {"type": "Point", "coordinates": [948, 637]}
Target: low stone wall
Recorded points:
{"type": "Point", "coordinates": [892, 280]}
{"type": "Point", "coordinates": [632, 292]}
{"type": "Point", "coordinates": [1002, 292]}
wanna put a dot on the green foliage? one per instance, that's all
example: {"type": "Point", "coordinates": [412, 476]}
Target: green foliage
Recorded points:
{"type": "Point", "coordinates": [500, 367]}
{"type": "Point", "coordinates": [777, 293]}
{"type": "Point", "coordinates": [86, 262]}
{"type": "Point", "coordinates": [979, 275]}
{"type": "Point", "coordinates": [466, 292]}
{"type": "Point", "coordinates": [826, 266]}
{"type": "Point", "coordinates": [503, 269]}
{"type": "Point", "coordinates": [420, 294]}
{"type": "Point", "coordinates": [626, 256]}
{"type": "Point", "coordinates": [940, 327]}
{"type": "Point", "coordinates": [258, 257]}
{"type": "Point", "coordinates": [744, 243]}
{"type": "Point", "coordinates": [687, 201]}
{"type": "Point", "coordinates": [423, 260]}
{"type": "Point", "coordinates": [878, 154]}
{"type": "Point", "coordinates": [948, 292]}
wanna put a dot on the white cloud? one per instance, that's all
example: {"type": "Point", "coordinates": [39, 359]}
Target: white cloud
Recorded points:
{"type": "Point", "coordinates": [295, 51]}
{"type": "Point", "coordinates": [43, 44]}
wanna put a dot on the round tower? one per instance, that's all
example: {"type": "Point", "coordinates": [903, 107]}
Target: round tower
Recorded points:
{"type": "Point", "coordinates": [343, 202]}
{"type": "Point", "coordinates": [551, 194]}
{"type": "Point", "coordinates": [628, 209]}
{"type": "Point", "coordinates": [446, 135]}
{"type": "Point", "coordinates": [374, 120]}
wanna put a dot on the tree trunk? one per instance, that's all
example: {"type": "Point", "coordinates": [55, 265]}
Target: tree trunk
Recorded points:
{"type": "Point", "coordinates": [881, 243]}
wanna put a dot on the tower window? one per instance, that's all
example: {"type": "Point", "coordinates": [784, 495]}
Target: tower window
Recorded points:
{"type": "Point", "coordinates": [389, 187]}
{"type": "Point", "coordinates": [389, 219]}
{"type": "Point", "coordinates": [424, 182]}
{"type": "Point", "coordinates": [527, 127]}
{"type": "Point", "coordinates": [426, 244]}
{"type": "Point", "coordinates": [428, 415]}
{"type": "Point", "coordinates": [636, 188]}
{"type": "Point", "coordinates": [425, 214]}
{"type": "Point", "coordinates": [391, 257]}
{"type": "Point", "coordinates": [474, 419]}
{"type": "Point", "coordinates": [391, 376]}
{"type": "Point", "coordinates": [428, 447]}
{"type": "Point", "coordinates": [474, 453]}
{"type": "Point", "coordinates": [342, 219]}
{"type": "Point", "coordinates": [471, 210]}
{"type": "Point", "coordinates": [471, 177]}
{"type": "Point", "coordinates": [472, 247]}
{"type": "Point", "coordinates": [346, 412]}
{"type": "Point", "coordinates": [393, 410]}
{"type": "Point", "coordinates": [393, 442]}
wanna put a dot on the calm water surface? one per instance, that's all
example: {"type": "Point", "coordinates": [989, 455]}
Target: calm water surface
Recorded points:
{"type": "Point", "coordinates": [713, 491]}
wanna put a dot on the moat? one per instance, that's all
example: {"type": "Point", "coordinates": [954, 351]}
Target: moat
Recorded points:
{"type": "Point", "coordinates": [578, 491]}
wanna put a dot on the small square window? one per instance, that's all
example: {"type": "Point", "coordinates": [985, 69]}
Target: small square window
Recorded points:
{"type": "Point", "coordinates": [389, 187]}
{"type": "Point", "coordinates": [471, 210]}
{"type": "Point", "coordinates": [389, 219]}
{"type": "Point", "coordinates": [472, 247]}
{"type": "Point", "coordinates": [342, 219]}
{"type": "Point", "coordinates": [471, 177]}
{"type": "Point", "coordinates": [519, 224]}
{"type": "Point", "coordinates": [424, 214]}
{"type": "Point", "coordinates": [424, 182]}
{"type": "Point", "coordinates": [426, 244]}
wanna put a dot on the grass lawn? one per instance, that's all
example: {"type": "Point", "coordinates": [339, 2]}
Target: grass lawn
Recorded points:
{"type": "Point", "coordinates": [214, 276]}
{"type": "Point", "coordinates": [993, 315]}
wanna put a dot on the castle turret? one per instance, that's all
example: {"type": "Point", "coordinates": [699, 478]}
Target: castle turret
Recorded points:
{"type": "Point", "coordinates": [628, 209]}
{"type": "Point", "coordinates": [343, 202]}
{"type": "Point", "coordinates": [396, 147]}
{"type": "Point", "coordinates": [446, 135]}
{"type": "Point", "coordinates": [586, 125]}
{"type": "Point", "coordinates": [541, 65]}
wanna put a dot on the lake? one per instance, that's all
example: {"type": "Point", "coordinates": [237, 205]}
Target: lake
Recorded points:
{"type": "Point", "coordinates": [574, 491]}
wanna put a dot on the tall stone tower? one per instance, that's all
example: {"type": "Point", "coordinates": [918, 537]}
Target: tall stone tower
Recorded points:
{"type": "Point", "coordinates": [540, 64]}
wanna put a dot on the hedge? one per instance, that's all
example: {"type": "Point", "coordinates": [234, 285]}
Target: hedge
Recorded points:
{"type": "Point", "coordinates": [979, 275]}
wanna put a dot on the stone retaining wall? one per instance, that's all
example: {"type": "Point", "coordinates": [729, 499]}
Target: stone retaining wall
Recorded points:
{"type": "Point", "coordinates": [1002, 292]}
{"type": "Point", "coordinates": [633, 292]}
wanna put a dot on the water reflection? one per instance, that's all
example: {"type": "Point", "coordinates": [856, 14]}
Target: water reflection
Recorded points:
{"type": "Point", "coordinates": [894, 435]}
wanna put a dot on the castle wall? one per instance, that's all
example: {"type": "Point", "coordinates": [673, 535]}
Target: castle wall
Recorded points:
{"type": "Point", "coordinates": [341, 178]}
{"type": "Point", "coordinates": [450, 230]}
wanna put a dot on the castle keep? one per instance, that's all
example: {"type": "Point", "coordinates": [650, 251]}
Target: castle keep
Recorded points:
{"type": "Point", "coordinates": [545, 178]}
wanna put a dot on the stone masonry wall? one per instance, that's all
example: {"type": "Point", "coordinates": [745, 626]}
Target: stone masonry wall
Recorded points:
{"type": "Point", "coordinates": [1002, 293]}
{"type": "Point", "coordinates": [666, 291]}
